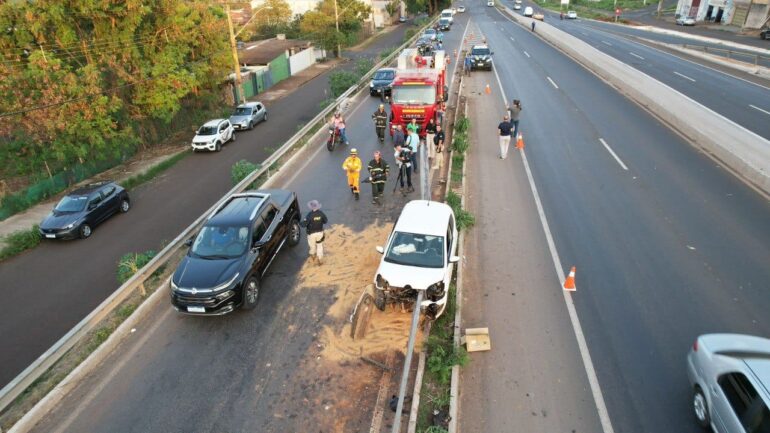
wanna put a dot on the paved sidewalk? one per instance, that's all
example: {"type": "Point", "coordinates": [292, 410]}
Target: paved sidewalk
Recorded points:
{"type": "Point", "coordinates": [533, 378]}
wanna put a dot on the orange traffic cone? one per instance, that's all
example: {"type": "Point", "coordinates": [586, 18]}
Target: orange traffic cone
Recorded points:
{"type": "Point", "coordinates": [520, 142]}
{"type": "Point", "coordinates": [569, 284]}
{"type": "Point", "coordinates": [487, 90]}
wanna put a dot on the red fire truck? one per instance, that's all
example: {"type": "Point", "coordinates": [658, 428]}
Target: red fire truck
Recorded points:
{"type": "Point", "coordinates": [418, 88]}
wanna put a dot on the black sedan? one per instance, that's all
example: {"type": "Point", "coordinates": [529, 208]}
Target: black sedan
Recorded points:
{"type": "Point", "coordinates": [77, 213]}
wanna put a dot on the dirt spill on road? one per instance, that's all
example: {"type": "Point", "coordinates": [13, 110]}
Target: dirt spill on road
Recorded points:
{"type": "Point", "coordinates": [341, 387]}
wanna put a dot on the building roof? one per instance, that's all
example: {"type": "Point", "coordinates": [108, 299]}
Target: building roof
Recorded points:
{"type": "Point", "coordinates": [265, 51]}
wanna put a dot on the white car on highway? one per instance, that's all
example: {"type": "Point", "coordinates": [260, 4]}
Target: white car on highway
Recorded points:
{"type": "Point", "coordinates": [212, 135]}
{"type": "Point", "coordinates": [528, 11]}
{"type": "Point", "coordinates": [571, 15]}
{"type": "Point", "coordinates": [517, 7]}
{"type": "Point", "coordinates": [419, 255]}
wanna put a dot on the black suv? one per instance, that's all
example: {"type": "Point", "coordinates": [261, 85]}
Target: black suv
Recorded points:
{"type": "Point", "coordinates": [78, 212]}
{"type": "Point", "coordinates": [381, 81]}
{"type": "Point", "coordinates": [481, 57]}
{"type": "Point", "coordinates": [226, 260]}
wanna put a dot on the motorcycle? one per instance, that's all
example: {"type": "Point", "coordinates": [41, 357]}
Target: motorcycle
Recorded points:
{"type": "Point", "coordinates": [334, 139]}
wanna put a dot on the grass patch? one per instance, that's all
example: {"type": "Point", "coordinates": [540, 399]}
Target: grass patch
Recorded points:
{"type": "Point", "coordinates": [130, 264]}
{"type": "Point", "coordinates": [464, 218]}
{"type": "Point", "coordinates": [20, 241]}
{"type": "Point", "coordinates": [457, 168]}
{"type": "Point", "coordinates": [134, 181]}
{"type": "Point", "coordinates": [241, 170]}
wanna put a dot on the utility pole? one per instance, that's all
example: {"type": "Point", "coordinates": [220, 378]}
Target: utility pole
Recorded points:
{"type": "Point", "coordinates": [337, 23]}
{"type": "Point", "coordinates": [236, 64]}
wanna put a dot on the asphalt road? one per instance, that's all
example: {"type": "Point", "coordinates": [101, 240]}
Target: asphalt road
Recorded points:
{"type": "Point", "coordinates": [258, 370]}
{"type": "Point", "coordinates": [55, 285]}
{"type": "Point", "coordinates": [668, 249]}
{"type": "Point", "coordinates": [744, 102]}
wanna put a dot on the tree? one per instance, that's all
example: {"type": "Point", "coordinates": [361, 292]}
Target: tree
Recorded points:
{"type": "Point", "coordinates": [85, 79]}
{"type": "Point", "coordinates": [319, 24]}
{"type": "Point", "coordinates": [271, 17]}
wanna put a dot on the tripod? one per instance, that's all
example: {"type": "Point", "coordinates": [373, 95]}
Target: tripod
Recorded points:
{"type": "Point", "coordinates": [400, 177]}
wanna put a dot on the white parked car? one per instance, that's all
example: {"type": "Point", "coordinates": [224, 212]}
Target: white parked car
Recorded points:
{"type": "Point", "coordinates": [528, 11]}
{"type": "Point", "coordinates": [419, 256]}
{"type": "Point", "coordinates": [490, 3]}
{"type": "Point", "coordinates": [517, 7]}
{"type": "Point", "coordinates": [460, 9]}
{"type": "Point", "coordinates": [572, 15]}
{"type": "Point", "coordinates": [212, 135]}
{"type": "Point", "coordinates": [685, 21]}
{"type": "Point", "coordinates": [518, 2]}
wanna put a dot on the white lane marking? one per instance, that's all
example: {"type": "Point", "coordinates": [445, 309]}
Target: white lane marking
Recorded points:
{"type": "Point", "coordinates": [593, 380]}
{"type": "Point", "coordinates": [684, 76]}
{"type": "Point", "coordinates": [757, 108]}
{"type": "Point", "coordinates": [527, 54]}
{"type": "Point", "coordinates": [514, 40]}
{"type": "Point", "coordinates": [552, 83]}
{"type": "Point", "coordinates": [614, 155]}
{"type": "Point", "coordinates": [636, 55]}
{"type": "Point", "coordinates": [606, 43]}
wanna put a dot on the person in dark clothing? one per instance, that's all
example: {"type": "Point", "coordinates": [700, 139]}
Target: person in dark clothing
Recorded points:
{"type": "Point", "coordinates": [515, 111]}
{"type": "Point", "coordinates": [533, 25]}
{"type": "Point", "coordinates": [438, 139]}
{"type": "Point", "coordinates": [314, 224]}
{"type": "Point", "coordinates": [404, 163]}
{"type": "Point", "coordinates": [380, 118]}
{"type": "Point", "coordinates": [467, 64]}
{"type": "Point", "coordinates": [378, 175]}
{"type": "Point", "coordinates": [430, 133]}
{"type": "Point", "coordinates": [504, 131]}
{"type": "Point", "coordinates": [398, 136]}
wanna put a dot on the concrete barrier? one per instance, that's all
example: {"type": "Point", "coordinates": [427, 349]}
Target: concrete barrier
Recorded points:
{"type": "Point", "coordinates": [744, 152]}
{"type": "Point", "coordinates": [738, 65]}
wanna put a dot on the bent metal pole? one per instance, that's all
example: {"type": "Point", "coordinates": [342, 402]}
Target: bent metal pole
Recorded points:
{"type": "Point", "coordinates": [407, 362]}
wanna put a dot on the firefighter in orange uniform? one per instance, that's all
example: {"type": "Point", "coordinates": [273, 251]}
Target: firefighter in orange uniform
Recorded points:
{"type": "Point", "coordinates": [352, 167]}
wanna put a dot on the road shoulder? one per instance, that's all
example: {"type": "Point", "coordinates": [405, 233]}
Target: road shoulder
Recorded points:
{"type": "Point", "coordinates": [533, 378]}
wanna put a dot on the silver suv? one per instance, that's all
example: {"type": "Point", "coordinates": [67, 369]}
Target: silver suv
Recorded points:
{"type": "Point", "coordinates": [730, 379]}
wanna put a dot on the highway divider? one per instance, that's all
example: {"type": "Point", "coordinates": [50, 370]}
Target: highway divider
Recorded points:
{"type": "Point", "coordinates": [290, 149]}
{"type": "Point", "coordinates": [745, 153]}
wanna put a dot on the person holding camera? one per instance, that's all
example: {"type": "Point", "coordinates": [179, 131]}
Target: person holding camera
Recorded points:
{"type": "Point", "coordinates": [413, 144]}
{"type": "Point", "coordinates": [378, 174]}
{"type": "Point", "coordinates": [403, 156]}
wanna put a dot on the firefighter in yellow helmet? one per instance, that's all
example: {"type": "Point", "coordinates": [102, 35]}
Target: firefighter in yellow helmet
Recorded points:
{"type": "Point", "coordinates": [352, 167]}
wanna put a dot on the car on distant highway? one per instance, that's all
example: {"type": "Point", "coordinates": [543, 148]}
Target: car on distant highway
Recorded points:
{"type": "Point", "coordinates": [685, 21]}
{"type": "Point", "coordinates": [447, 14]}
{"type": "Point", "coordinates": [539, 16]}
{"type": "Point", "coordinates": [444, 25]}
{"type": "Point", "coordinates": [528, 11]}
{"type": "Point", "coordinates": [419, 254]}
{"type": "Point", "coordinates": [571, 15]}
{"type": "Point", "coordinates": [212, 135]}
{"type": "Point", "coordinates": [765, 34]}
{"type": "Point", "coordinates": [402, 19]}
{"type": "Point", "coordinates": [730, 380]}
{"type": "Point", "coordinates": [481, 57]}
{"type": "Point", "coordinates": [460, 9]}
{"type": "Point", "coordinates": [247, 115]}
{"type": "Point", "coordinates": [430, 34]}
{"type": "Point", "coordinates": [381, 81]}
{"type": "Point", "coordinates": [490, 3]}
{"type": "Point", "coordinates": [517, 6]}
{"type": "Point", "coordinates": [227, 259]}
{"type": "Point", "coordinates": [78, 212]}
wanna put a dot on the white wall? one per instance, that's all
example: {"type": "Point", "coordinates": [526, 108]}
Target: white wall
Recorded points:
{"type": "Point", "coordinates": [301, 61]}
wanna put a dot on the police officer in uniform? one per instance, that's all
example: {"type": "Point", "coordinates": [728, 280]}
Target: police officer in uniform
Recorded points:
{"type": "Point", "coordinates": [314, 224]}
{"type": "Point", "coordinates": [378, 174]}
{"type": "Point", "coordinates": [380, 118]}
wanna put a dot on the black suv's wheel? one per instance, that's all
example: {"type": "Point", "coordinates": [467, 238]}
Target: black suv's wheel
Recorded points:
{"type": "Point", "coordinates": [379, 299]}
{"type": "Point", "coordinates": [84, 231]}
{"type": "Point", "coordinates": [250, 293]}
{"type": "Point", "coordinates": [125, 205]}
{"type": "Point", "coordinates": [700, 407]}
{"type": "Point", "coordinates": [294, 233]}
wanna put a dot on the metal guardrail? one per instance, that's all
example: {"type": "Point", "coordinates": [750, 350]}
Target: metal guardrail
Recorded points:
{"type": "Point", "coordinates": [730, 54]}
{"type": "Point", "coordinates": [45, 361]}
